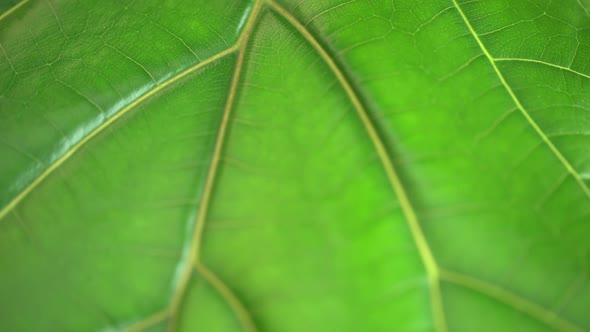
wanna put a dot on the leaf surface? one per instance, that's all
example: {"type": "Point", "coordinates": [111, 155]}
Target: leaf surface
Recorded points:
{"type": "Point", "coordinates": [341, 165]}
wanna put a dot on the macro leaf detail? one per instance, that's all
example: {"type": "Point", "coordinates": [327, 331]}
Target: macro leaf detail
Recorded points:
{"type": "Point", "coordinates": [283, 165]}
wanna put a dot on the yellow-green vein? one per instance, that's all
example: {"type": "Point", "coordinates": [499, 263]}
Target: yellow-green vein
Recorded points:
{"type": "Point", "coordinates": [63, 158]}
{"type": "Point", "coordinates": [193, 259]}
{"type": "Point", "coordinates": [232, 300]}
{"type": "Point", "coordinates": [396, 183]}
{"type": "Point", "coordinates": [543, 63]}
{"type": "Point", "coordinates": [13, 9]}
{"type": "Point", "coordinates": [148, 321]}
{"type": "Point", "coordinates": [524, 112]}
{"type": "Point", "coordinates": [241, 313]}
{"type": "Point", "coordinates": [534, 310]}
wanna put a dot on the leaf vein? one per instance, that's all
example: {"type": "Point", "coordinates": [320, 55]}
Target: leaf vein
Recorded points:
{"type": "Point", "coordinates": [386, 160]}
{"type": "Point", "coordinates": [524, 112]}
{"type": "Point", "coordinates": [543, 63]}
{"type": "Point", "coordinates": [13, 9]}
{"type": "Point", "coordinates": [524, 305]}
{"type": "Point", "coordinates": [241, 312]}
{"type": "Point", "coordinates": [193, 259]}
{"type": "Point", "coordinates": [62, 159]}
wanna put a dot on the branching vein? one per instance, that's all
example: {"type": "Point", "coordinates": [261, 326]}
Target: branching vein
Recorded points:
{"type": "Point", "coordinates": [409, 213]}
{"type": "Point", "coordinates": [238, 308]}
{"type": "Point", "coordinates": [193, 262]}
{"type": "Point", "coordinates": [524, 112]}
{"type": "Point", "coordinates": [148, 322]}
{"type": "Point", "coordinates": [62, 159]}
{"type": "Point", "coordinates": [193, 259]}
{"type": "Point", "coordinates": [532, 309]}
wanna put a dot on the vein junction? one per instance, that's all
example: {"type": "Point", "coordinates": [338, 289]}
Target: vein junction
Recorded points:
{"type": "Point", "coordinates": [193, 263]}
{"type": "Point", "coordinates": [519, 105]}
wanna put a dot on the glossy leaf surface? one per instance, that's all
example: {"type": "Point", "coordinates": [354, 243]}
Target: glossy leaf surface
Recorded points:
{"type": "Point", "coordinates": [368, 165]}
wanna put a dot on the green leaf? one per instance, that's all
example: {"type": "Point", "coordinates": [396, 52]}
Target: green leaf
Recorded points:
{"type": "Point", "coordinates": [295, 165]}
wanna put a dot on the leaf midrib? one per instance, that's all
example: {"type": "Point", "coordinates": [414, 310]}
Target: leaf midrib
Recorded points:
{"type": "Point", "coordinates": [434, 271]}
{"type": "Point", "coordinates": [422, 245]}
